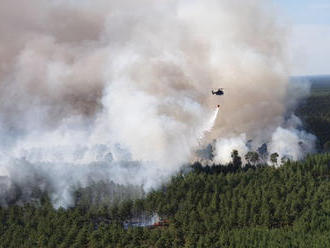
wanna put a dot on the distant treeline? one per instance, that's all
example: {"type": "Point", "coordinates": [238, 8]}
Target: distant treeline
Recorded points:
{"type": "Point", "coordinates": [218, 206]}
{"type": "Point", "coordinates": [315, 110]}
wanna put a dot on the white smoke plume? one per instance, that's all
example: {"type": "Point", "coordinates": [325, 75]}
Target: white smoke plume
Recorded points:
{"type": "Point", "coordinates": [121, 90]}
{"type": "Point", "coordinates": [225, 146]}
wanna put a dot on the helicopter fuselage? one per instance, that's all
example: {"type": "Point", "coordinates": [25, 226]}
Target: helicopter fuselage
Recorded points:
{"type": "Point", "coordinates": [218, 92]}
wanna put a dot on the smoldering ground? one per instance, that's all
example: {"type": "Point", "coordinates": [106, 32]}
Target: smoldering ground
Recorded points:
{"type": "Point", "coordinates": [88, 87]}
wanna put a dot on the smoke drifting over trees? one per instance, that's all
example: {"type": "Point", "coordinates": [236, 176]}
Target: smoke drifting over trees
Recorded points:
{"type": "Point", "coordinates": [120, 90]}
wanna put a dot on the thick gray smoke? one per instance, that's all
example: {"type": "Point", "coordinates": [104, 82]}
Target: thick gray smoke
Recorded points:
{"type": "Point", "coordinates": [120, 90]}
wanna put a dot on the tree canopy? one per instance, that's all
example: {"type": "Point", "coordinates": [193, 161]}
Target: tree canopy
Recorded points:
{"type": "Point", "coordinates": [212, 206]}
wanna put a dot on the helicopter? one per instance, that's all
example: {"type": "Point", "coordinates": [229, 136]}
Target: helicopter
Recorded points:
{"type": "Point", "coordinates": [218, 92]}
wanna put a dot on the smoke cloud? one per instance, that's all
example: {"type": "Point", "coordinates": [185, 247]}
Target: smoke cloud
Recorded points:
{"type": "Point", "coordinates": [121, 90]}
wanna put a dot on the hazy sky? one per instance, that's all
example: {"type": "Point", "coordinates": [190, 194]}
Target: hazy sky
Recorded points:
{"type": "Point", "coordinates": [309, 42]}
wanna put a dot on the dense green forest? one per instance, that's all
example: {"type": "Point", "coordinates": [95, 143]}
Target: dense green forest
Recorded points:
{"type": "Point", "coordinates": [219, 206]}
